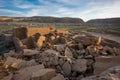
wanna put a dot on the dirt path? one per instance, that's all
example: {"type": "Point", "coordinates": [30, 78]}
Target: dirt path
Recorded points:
{"type": "Point", "coordinates": [106, 36]}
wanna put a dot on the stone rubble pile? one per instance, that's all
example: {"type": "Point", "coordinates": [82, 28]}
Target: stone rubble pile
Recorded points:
{"type": "Point", "coordinates": [58, 56]}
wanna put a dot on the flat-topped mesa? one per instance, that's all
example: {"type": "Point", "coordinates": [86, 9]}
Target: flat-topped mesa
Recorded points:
{"type": "Point", "coordinates": [24, 32]}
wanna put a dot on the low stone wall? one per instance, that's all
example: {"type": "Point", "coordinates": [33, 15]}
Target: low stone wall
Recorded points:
{"type": "Point", "coordinates": [24, 32]}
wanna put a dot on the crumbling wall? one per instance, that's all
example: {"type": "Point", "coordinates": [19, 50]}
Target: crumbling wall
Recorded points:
{"type": "Point", "coordinates": [41, 30]}
{"type": "Point", "coordinates": [31, 37]}
{"type": "Point", "coordinates": [20, 32]}
{"type": "Point", "coordinates": [24, 32]}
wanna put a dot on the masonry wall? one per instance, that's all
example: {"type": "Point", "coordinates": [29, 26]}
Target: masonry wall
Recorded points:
{"type": "Point", "coordinates": [24, 32]}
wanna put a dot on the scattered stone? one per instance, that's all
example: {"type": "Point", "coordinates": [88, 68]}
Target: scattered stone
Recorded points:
{"type": "Point", "coordinates": [109, 50]}
{"type": "Point", "coordinates": [73, 46]}
{"type": "Point", "coordinates": [50, 57]}
{"type": "Point", "coordinates": [103, 53]}
{"type": "Point", "coordinates": [29, 52]}
{"type": "Point", "coordinates": [89, 78]}
{"type": "Point", "coordinates": [14, 63]}
{"type": "Point", "coordinates": [52, 37]}
{"type": "Point", "coordinates": [50, 52]}
{"type": "Point", "coordinates": [80, 46]}
{"type": "Point", "coordinates": [116, 51]}
{"type": "Point", "coordinates": [88, 40]}
{"type": "Point", "coordinates": [78, 36]}
{"type": "Point", "coordinates": [18, 44]}
{"type": "Point", "coordinates": [41, 41]}
{"type": "Point", "coordinates": [67, 68]}
{"type": "Point", "coordinates": [36, 36]}
{"type": "Point", "coordinates": [26, 73]}
{"type": "Point", "coordinates": [10, 54]}
{"type": "Point", "coordinates": [79, 77]}
{"type": "Point", "coordinates": [3, 72]}
{"type": "Point", "coordinates": [58, 77]}
{"type": "Point", "coordinates": [99, 40]}
{"type": "Point", "coordinates": [30, 63]}
{"type": "Point", "coordinates": [91, 50]}
{"type": "Point", "coordinates": [30, 43]}
{"type": "Point", "coordinates": [80, 53]}
{"type": "Point", "coordinates": [80, 65]}
{"type": "Point", "coordinates": [100, 47]}
{"type": "Point", "coordinates": [43, 74]}
{"type": "Point", "coordinates": [68, 53]}
{"type": "Point", "coordinates": [59, 40]}
{"type": "Point", "coordinates": [55, 60]}
{"type": "Point", "coordinates": [9, 77]}
{"type": "Point", "coordinates": [60, 47]}
{"type": "Point", "coordinates": [61, 61]}
{"type": "Point", "coordinates": [83, 51]}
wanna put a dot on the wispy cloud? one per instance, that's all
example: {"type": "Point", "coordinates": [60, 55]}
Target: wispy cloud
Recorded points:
{"type": "Point", "coordinates": [85, 9]}
{"type": "Point", "coordinates": [99, 10]}
{"type": "Point", "coordinates": [11, 12]}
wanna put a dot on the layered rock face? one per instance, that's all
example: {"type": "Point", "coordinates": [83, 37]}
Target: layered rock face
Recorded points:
{"type": "Point", "coordinates": [104, 22]}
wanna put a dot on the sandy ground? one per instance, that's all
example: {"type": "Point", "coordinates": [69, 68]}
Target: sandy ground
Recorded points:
{"type": "Point", "coordinates": [106, 36]}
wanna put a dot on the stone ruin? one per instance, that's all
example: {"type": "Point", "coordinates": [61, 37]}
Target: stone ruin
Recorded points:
{"type": "Point", "coordinates": [29, 38]}
{"type": "Point", "coordinates": [24, 32]}
{"type": "Point", "coordinates": [51, 54]}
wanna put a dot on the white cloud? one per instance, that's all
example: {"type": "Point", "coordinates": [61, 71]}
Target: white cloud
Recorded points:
{"type": "Point", "coordinates": [94, 10]}
{"type": "Point", "coordinates": [91, 10]}
{"type": "Point", "coordinates": [36, 12]}
{"type": "Point", "coordinates": [14, 12]}
{"type": "Point", "coordinates": [102, 11]}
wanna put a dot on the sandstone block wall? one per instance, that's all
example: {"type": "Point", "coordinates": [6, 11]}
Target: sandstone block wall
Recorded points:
{"type": "Point", "coordinates": [24, 32]}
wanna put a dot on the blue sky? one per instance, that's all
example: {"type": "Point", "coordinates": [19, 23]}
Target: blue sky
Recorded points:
{"type": "Point", "coordinates": [85, 9]}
